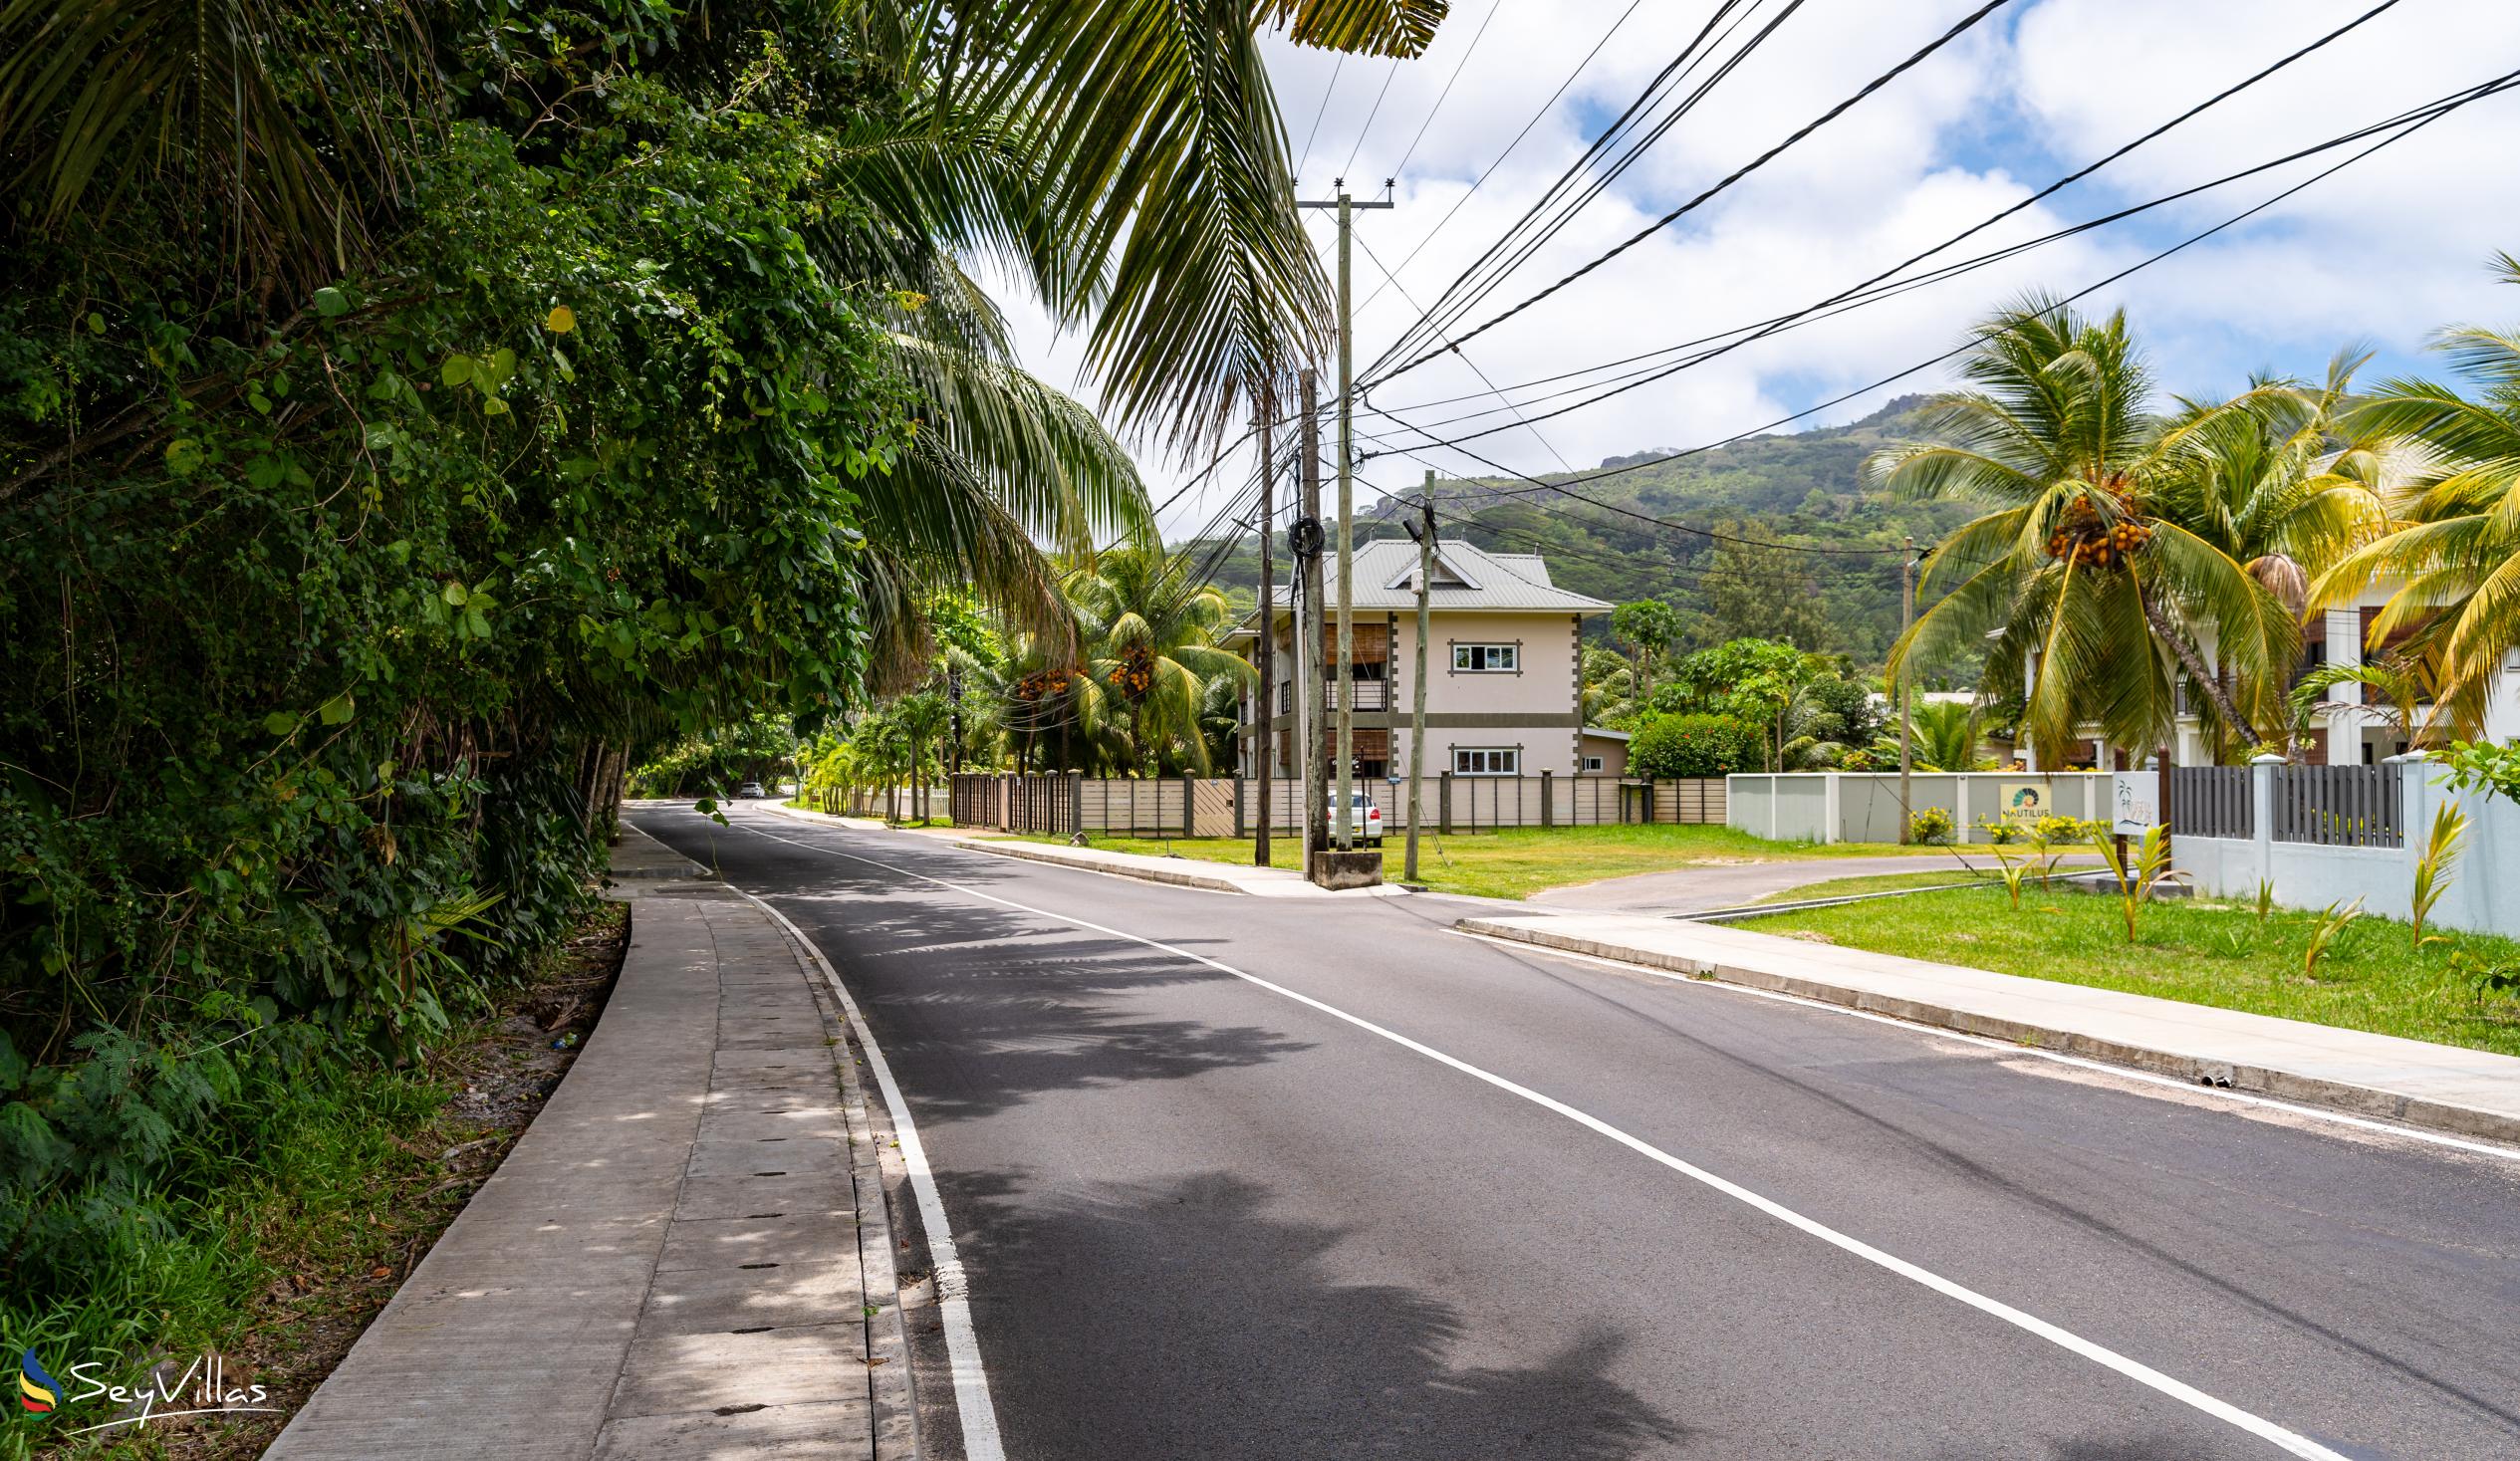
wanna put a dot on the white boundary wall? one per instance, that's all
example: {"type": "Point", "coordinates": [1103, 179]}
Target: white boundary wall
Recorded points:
{"type": "Point", "coordinates": [2484, 888]}
{"type": "Point", "coordinates": [1863, 805]}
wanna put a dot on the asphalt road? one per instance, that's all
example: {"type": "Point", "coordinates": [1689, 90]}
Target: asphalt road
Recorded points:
{"type": "Point", "coordinates": [1590, 1213]}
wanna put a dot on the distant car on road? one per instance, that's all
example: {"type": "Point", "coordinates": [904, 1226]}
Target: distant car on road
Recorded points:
{"type": "Point", "coordinates": [750, 791]}
{"type": "Point", "coordinates": [1362, 814]}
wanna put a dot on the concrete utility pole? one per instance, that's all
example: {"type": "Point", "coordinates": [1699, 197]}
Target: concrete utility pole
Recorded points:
{"type": "Point", "coordinates": [1264, 712]}
{"type": "Point", "coordinates": [1426, 536]}
{"type": "Point", "coordinates": [1346, 520]}
{"type": "Point", "coordinates": [1907, 753]}
{"type": "Point", "coordinates": [1309, 635]}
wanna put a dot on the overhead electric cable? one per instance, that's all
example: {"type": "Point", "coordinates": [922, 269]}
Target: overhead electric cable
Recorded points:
{"type": "Point", "coordinates": [1534, 120]}
{"type": "Point", "coordinates": [1912, 59]}
{"type": "Point", "coordinates": [1335, 67]}
{"type": "Point", "coordinates": [1778, 323]}
{"type": "Point", "coordinates": [1445, 94]}
{"type": "Point", "coordinates": [2405, 123]}
{"type": "Point", "coordinates": [1462, 295]}
{"type": "Point", "coordinates": [2425, 117]}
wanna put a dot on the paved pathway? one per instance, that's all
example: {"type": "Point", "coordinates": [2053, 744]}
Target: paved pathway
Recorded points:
{"type": "Point", "coordinates": [1697, 889]}
{"type": "Point", "coordinates": [686, 1256]}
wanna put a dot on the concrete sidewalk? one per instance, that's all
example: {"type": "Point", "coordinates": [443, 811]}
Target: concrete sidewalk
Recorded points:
{"type": "Point", "coordinates": [636, 856]}
{"type": "Point", "coordinates": [686, 1256]}
{"type": "Point", "coordinates": [2444, 1088]}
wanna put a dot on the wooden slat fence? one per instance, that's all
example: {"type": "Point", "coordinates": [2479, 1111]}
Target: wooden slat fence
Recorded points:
{"type": "Point", "coordinates": [1228, 807]}
{"type": "Point", "coordinates": [2212, 800]}
{"type": "Point", "coordinates": [2340, 806]}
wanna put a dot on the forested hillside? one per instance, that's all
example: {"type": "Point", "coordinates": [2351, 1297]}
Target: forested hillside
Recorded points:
{"type": "Point", "coordinates": [1791, 491]}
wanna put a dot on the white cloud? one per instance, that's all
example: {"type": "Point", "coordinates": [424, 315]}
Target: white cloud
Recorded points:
{"type": "Point", "coordinates": [2385, 251]}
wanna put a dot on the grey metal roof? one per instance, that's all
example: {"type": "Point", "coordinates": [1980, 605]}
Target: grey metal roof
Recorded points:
{"type": "Point", "coordinates": [1467, 578]}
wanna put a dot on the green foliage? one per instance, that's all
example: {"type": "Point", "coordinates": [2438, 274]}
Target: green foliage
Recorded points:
{"type": "Point", "coordinates": [714, 762]}
{"type": "Point", "coordinates": [2333, 923]}
{"type": "Point", "coordinates": [1693, 745]}
{"type": "Point", "coordinates": [2482, 766]}
{"type": "Point", "coordinates": [1646, 629]}
{"type": "Point", "coordinates": [2136, 875]}
{"type": "Point", "coordinates": [2012, 866]}
{"type": "Point", "coordinates": [1944, 735]}
{"type": "Point", "coordinates": [2265, 903]}
{"type": "Point", "coordinates": [2432, 869]}
{"type": "Point", "coordinates": [2116, 541]}
{"type": "Point", "coordinates": [1930, 827]}
{"type": "Point", "coordinates": [2489, 978]}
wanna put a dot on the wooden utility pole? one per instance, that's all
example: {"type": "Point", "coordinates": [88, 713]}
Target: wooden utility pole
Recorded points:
{"type": "Point", "coordinates": [1347, 519]}
{"type": "Point", "coordinates": [1906, 751]}
{"type": "Point", "coordinates": [1426, 536]}
{"type": "Point", "coordinates": [1264, 711]}
{"type": "Point", "coordinates": [1309, 634]}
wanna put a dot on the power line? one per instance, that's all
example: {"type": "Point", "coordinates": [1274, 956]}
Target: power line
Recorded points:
{"type": "Point", "coordinates": [1371, 113]}
{"type": "Point", "coordinates": [1525, 131]}
{"type": "Point", "coordinates": [1335, 67]}
{"type": "Point", "coordinates": [1446, 93]}
{"type": "Point", "coordinates": [1867, 292]}
{"type": "Point", "coordinates": [1911, 61]}
{"type": "Point", "coordinates": [1673, 72]}
{"type": "Point", "coordinates": [2408, 123]}
{"type": "Point", "coordinates": [1377, 261]}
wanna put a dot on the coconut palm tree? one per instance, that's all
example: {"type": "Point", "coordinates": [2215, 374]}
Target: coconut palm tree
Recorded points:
{"type": "Point", "coordinates": [2267, 486]}
{"type": "Point", "coordinates": [1153, 632]}
{"type": "Point", "coordinates": [2089, 577]}
{"type": "Point", "coordinates": [1124, 162]}
{"type": "Point", "coordinates": [1942, 735]}
{"type": "Point", "coordinates": [2405, 693]}
{"type": "Point", "coordinates": [2456, 554]}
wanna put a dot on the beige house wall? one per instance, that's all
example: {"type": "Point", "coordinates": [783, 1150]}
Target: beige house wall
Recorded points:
{"type": "Point", "coordinates": [1535, 709]}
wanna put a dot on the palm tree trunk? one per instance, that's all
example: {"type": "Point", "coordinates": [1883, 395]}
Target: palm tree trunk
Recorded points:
{"type": "Point", "coordinates": [2206, 680]}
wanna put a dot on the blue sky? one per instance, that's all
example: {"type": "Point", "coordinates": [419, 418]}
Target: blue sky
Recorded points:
{"type": "Point", "coordinates": [2382, 253]}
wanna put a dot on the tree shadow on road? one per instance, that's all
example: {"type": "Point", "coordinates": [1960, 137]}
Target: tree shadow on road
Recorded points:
{"type": "Point", "coordinates": [981, 1007]}
{"type": "Point", "coordinates": [1183, 1318]}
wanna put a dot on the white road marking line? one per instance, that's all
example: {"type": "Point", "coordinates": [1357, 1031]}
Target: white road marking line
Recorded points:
{"type": "Point", "coordinates": [2144, 1375]}
{"type": "Point", "coordinates": [978, 1413]}
{"type": "Point", "coordinates": [1938, 1032]}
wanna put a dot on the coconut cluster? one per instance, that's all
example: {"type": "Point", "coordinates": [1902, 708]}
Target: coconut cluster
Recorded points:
{"type": "Point", "coordinates": [2092, 541]}
{"type": "Point", "coordinates": [1135, 675]}
{"type": "Point", "coordinates": [1044, 685]}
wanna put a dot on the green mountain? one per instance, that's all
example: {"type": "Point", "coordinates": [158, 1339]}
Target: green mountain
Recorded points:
{"type": "Point", "coordinates": [1780, 493]}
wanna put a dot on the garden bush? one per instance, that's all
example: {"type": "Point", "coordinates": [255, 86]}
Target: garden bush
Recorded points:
{"type": "Point", "coordinates": [1694, 745]}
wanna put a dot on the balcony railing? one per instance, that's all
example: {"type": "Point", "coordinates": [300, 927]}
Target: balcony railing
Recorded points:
{"type": "Point", "coordinates": [1369, 695]}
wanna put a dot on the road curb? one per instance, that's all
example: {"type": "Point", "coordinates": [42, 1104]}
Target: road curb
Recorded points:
{"type": "Point", "coordinates": [2365, 1100]}
{"type": "Point", "coordinates": [1038, 853]}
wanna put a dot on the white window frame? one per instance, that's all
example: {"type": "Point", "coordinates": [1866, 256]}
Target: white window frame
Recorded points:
{"type": "Point", "coordinates": [1593, 763]}
{"type": "Point", "coordinates": [1500, 761]}
{"type": "Point", "coordinates": [1511, 655]}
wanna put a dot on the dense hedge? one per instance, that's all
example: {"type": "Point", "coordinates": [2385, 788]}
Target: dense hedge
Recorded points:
{"type": "Point", "coordinates": [342, 575]}
{"type": "Point", "coordinates": [1694, 745]}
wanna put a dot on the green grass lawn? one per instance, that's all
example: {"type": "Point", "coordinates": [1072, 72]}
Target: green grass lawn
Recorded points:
{"type": "Point", "coordinates": [1518, 861]}
{"type": "Point", "coordinates": [2205, 952]}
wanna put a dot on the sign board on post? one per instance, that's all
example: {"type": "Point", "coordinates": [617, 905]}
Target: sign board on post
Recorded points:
{"type": "Point", "coordinates": [2131, 801]}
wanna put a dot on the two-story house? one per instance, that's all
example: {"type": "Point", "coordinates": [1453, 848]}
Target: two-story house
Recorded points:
{"type": "Point", "coordinates": [1504, 696]}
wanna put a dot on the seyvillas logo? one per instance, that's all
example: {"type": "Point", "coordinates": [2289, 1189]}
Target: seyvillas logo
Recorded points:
{"type": "Point", "coordinates": [200, 1389]}
{"type": "Point", "coordinates": [37, 1391]}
